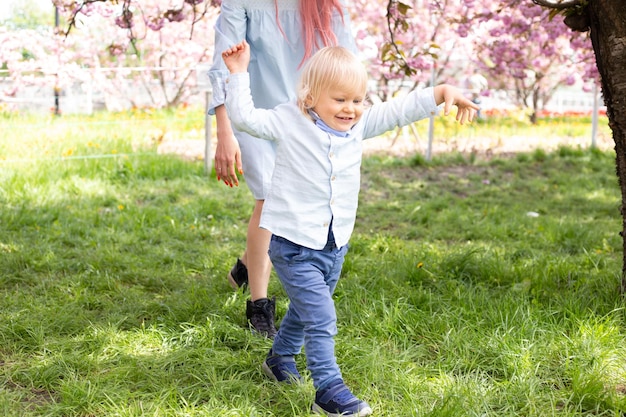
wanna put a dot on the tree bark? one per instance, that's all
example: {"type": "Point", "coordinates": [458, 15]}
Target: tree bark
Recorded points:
{"type": "Point", "coordinates": [607, 21]}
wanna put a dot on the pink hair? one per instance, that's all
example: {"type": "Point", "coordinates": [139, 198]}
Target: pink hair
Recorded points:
{"type": "Point", "coordinates": [316, 19]}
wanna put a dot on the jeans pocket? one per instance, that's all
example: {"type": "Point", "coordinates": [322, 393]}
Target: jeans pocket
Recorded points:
{"type": "Point", "coordinates": [284, 251]}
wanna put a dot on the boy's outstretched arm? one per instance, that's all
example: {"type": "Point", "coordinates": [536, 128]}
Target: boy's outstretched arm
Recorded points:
{"type": "Point", "coordinates": [452, 96]}
{"type": "Point", "coordinates": [237, 57]}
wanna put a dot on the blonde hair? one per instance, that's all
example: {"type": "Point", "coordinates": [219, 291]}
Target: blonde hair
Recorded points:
{"type": "Point", "coordinates": [330, 68]}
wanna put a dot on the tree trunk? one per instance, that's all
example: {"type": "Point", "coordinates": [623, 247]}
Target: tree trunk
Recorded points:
{"type": "Point", "coordinates": [607, 19]}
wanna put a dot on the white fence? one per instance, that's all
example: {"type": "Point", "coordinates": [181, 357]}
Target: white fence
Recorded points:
{"type": "Point", "coordinates": [89, 95]}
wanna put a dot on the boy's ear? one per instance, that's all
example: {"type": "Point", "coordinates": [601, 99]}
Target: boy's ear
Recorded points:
{"type": "Point", "coordinates": [308, 101]}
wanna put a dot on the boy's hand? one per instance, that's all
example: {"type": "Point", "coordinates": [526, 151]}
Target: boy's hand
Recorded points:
{"type": "Point", "coordinates": [452, 96]}
{"type": "Point", "coordinates": [237, 57]}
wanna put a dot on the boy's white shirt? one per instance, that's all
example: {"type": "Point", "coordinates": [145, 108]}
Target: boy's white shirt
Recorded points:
{"type": "Point", "coordinates": [316, 178]}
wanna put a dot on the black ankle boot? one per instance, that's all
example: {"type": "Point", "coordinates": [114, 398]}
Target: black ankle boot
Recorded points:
{"type": "Point", "coordinates": [261, 314]}
{"type": "Point", "coordinates": [238, 276]}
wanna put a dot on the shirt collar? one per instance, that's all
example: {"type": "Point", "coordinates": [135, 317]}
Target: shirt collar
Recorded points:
{"type": "Point", "coordinates": [320, 123]}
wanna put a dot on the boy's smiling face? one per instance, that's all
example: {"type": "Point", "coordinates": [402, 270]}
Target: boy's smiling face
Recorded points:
{"type": "Point", "coordinates": [340, 109]}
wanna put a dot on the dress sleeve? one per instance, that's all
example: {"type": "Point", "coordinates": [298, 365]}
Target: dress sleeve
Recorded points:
{"type": "Point", "coordinates": [230, 28]}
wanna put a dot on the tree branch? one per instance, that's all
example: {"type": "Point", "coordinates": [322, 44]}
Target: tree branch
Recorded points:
{"type": "Point", "coordinates": [561, 5]}
{"type": "Point", "coordinates": [391, 51]}
{"type": "Point", "coordinates": [392, 31]}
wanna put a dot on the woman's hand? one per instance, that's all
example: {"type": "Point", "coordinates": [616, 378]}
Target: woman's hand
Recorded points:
{"type": "Point", "coordinates": [227, 161]}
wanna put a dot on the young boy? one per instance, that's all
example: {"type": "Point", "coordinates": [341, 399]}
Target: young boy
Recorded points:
{"type": "Point", "coordinates": [312, 203]}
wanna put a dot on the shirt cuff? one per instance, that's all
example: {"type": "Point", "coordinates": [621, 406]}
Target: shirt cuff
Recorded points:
{"type": "Point", "coordinates": [218, 85]}
{"type": "Point", "coordinates": [427, 96]}
{"type": "Point", "coordinates": [238, 81]}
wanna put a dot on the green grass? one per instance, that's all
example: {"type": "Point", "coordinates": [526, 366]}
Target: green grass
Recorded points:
{"type": "Point", "coordinates": [473, 287]}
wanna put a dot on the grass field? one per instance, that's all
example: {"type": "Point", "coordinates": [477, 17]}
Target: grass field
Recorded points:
{"type": "Point", "coordinates": [474, 285]}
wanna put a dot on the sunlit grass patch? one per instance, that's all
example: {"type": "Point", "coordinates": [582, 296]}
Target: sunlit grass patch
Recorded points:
{"type": "Point", "coordinates": [474, 286]}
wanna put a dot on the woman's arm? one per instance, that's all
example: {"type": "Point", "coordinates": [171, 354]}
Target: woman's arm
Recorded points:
{"type": "Point", "coordinates": [229, 28]}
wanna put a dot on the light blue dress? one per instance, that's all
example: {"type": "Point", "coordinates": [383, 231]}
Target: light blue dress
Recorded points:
{"type": "Point", "coordinates": [276, 54]}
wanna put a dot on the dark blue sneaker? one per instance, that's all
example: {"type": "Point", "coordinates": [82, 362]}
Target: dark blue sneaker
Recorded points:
{"type": "Point", "coordinates": [281, 368]}
{"type": "Point", "coordinates": [336, 400]}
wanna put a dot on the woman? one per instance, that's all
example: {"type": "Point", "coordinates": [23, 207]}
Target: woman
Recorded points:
{"type": "Point", "coordinates": [282, 35]}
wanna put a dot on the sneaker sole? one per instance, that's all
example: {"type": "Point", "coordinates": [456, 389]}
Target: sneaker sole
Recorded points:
{"type": "Point", "coordinates": [232, 281]}
{"type": "Point", "coordinates": [268, 372]}
{"type": "Point", "coordinates": [362, 413]}
{"type": "Point", "coordinates": [256, 332]}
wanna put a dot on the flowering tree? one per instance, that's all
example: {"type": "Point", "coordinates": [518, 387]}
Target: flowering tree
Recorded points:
{"type": "Point", "coordinates": [138, 35]}
{"type": "Point", "coordinates": [515, 49]}
{"type": "Point", "coordinates": [40, 61]}
{"type": "Point", "coordinates": [524, 52]}
{"type": "Point", "coordinates": [144, 37]}
{"type": "Point", "coordinates": [409, 44]}
{"type": "Point", "coordinates": [406, 43]}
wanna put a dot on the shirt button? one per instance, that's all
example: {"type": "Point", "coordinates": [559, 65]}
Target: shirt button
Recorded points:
{"type": "Point", "coordinates": [333, 178]}
{"type": "Point", "coordinates": [332, 154]}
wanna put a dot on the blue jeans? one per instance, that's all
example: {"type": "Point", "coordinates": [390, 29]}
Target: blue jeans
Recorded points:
{"type": "Point", "coordinates": [309, 278]}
